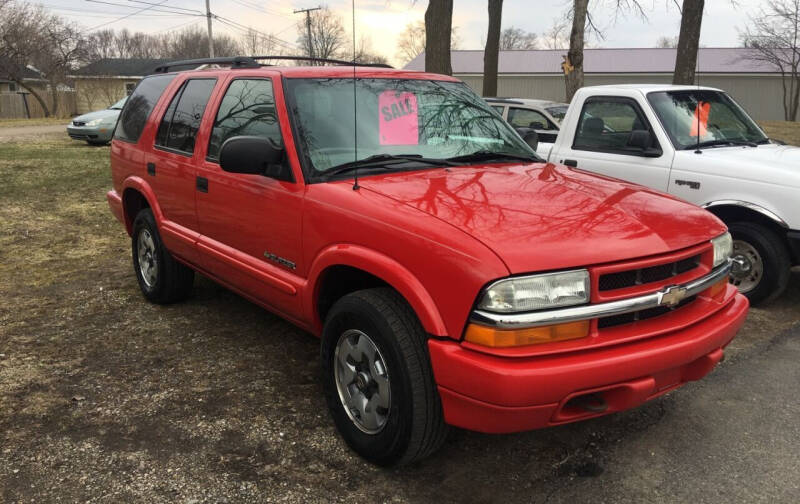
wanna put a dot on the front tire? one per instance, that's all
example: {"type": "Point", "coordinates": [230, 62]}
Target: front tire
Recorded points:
{"type": "Point", "coordinates": [761, 263]}
{"type": "Point", "coordinates": [161, 278]}
{"type": "Point", "coordinates": [378, 380]}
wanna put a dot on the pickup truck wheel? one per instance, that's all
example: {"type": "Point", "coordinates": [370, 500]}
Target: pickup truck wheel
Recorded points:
{"type": "Point", "coordinates": [162, 279]}
{"type": "Point", "coordinates": [378, 380]}
{"type": "Point", "coordinates": [760, 262]}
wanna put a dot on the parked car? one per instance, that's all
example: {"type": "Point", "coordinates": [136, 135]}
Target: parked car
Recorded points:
{"type": "Point", "coordinates": [542, 116]}
{"type": "Point", "coordinates": [97, 127]}
{"type": "Point", "coordinates": [648, 134]}
{"type": "Point", "coordinates": [453, 277]}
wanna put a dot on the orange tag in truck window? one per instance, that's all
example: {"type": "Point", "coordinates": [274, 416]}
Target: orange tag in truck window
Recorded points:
{"type": "Point", "coordinates": [399, 122]}
{"type": "Point", "coordinates": [700, 119]}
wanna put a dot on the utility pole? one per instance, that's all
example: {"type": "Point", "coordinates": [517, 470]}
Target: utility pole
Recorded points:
{"type": "Point", "coordinates": [308, 29]}
{"type": "Point", "coordinates": [210, 36]}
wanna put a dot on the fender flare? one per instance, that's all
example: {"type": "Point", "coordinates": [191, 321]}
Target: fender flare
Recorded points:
{"type": "Point", "coordinates": [381, 266]}
{"type": "Point", "coordinates": [750, 206]}
{"type": "Point", "coordinates": [141, 186]}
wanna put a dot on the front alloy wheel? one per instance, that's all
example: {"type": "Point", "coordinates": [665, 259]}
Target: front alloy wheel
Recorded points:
{"type": "Point", "coordinates": [362, 381]}
{"type": "Point", "coordinates": [148, 260]}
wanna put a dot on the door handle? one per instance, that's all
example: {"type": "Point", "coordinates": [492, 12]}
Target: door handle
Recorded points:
{"type": "Point", "coordinates": [151, 169]}
{"type": "Point", "coordinates": [202, 184]}
{"type": "Point", "coordinates": [571, 162]}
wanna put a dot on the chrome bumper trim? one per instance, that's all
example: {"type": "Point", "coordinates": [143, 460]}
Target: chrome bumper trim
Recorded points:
{"type": "Point", "coordinates": [668, 296]}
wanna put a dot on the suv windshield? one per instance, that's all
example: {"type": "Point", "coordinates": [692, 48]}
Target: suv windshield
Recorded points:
{"type": "Point", "coordinates": [711, 115]}
{"type": "Point", "coordinates": [119, 104]}
{"type": "Point", "coordinates": [431, 120]}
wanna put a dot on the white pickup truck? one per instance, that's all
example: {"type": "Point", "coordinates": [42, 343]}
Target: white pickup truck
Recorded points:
{"type": "Point", "coordinates": [697, 144]}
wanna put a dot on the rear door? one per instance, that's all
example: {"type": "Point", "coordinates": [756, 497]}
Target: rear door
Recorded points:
{"type": "Point", "coordinates": [171, 165]}
{"type": "Point", "coordinates": [601, 143]}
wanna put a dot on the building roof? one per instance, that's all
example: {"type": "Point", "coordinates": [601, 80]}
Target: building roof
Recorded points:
{"type": "Point", "coordinates": [612, 60]}
{"type": "Point", "coordinates": [29, 73]}
{"type": "Point", "coordinates": [120, 67]}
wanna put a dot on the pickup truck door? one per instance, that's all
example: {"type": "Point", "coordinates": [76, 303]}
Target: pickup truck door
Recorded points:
{"type": "Point", "coordinates": [250, 225]}
{"type": "Point", "coordinates": [599, 141]}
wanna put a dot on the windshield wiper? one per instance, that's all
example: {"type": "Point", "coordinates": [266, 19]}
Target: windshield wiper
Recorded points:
{"type": "Point", "coordinates": [490, 156]}
{"type": "Point", "coordinates": [711, 143]}
{"type": "Point", "coordinates": [379, 161]}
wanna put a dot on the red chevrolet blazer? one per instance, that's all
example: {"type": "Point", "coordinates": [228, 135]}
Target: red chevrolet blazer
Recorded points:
{"type": "Point", "coordinates": [453, 277]}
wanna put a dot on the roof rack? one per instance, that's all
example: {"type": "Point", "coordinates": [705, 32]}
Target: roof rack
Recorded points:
{"type": "Point", "coordinates": [252, 62]}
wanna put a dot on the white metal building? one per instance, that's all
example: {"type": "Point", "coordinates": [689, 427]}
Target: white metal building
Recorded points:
{"type": "Point", "coordinates": [537, 74]}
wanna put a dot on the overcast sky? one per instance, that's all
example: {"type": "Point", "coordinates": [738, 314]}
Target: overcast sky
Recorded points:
{"type": "Point", "coordinates": [383, 20]}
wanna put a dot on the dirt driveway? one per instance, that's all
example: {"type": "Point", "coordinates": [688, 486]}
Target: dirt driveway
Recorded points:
{"type": "Point", "coordinates": [105, 398]}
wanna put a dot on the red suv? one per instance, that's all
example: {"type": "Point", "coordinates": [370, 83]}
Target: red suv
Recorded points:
{"type": "Point", "coordinates": [452, 275]}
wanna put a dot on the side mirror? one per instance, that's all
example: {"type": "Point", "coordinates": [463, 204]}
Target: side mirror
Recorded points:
{"type": "Point", "coordinates": [530, 136]}
{"type": "Point", "coordinates": [253, 155]}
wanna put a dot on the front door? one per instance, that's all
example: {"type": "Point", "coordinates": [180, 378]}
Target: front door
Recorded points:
{"type": "Point", "coordinates": [601, 143]}
{"type": "Point", "coordinates": [250, 224]}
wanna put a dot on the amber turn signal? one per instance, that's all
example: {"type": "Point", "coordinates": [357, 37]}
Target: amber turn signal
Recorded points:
{"type": "Point", "coordinates": [502, 338]}
{"type": "Point", "coordinates": [718, 289]}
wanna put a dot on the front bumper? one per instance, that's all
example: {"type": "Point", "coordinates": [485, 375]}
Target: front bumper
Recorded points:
{"type": "Point", "coordinates": [90, 134]}
{"type": "Point", "coordinates": [496, 394]}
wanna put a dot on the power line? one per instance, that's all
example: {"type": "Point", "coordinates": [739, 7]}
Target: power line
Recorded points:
{"type": "Point", "coordinates": [193, 11]}
{"type": "Point", "coordinates": [123, 17]}
{"type": "Point", "coordinates": [244, 29]}
{"type": "Point", "coordinates": [308, 28]}
{"type": "Point", "coordinates": [153, 8]}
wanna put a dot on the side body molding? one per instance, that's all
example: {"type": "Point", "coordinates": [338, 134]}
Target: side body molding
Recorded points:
{"type": "Point", "coordinates": [381, 266]}
{"type": "Point", "coordinates": [750, 206]}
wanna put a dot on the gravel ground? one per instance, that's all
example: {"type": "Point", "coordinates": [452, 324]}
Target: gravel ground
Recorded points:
{"type": "Point", "coordinates": [106, 398]}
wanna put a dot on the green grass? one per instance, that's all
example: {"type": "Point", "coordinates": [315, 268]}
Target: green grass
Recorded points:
{"type": "Point", "coordinates": [788, 132]}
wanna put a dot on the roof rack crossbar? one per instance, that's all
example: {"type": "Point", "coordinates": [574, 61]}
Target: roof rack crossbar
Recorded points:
{"type": "Point", "coordinates": [252, 62]}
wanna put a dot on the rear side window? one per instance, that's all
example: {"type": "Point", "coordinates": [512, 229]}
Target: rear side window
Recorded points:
{"type": "Point", "coordinates": [247, 109]}
{"type": "Point", "coordinates": [139, 106]}
{"type": "Point", "coordinates": [183, 116]}
{"type": "Point", "coordinates": [527, 118]}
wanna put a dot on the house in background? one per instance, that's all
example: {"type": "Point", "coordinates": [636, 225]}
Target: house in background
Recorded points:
{"type": "Point", "coordinates": [30, 77]}
{"type": "Point", "coordinates": [100, 84]}
{"type": "Point", "coordinates": [757, 86]}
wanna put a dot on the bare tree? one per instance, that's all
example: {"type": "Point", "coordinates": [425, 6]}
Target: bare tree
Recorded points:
{"type": "Point", "coordinates": [491, 53]}
{"type": "Point", "coordinates": [773, 36]}
{"type": "Point", "coordinates": [438, 29]}
{"type": "Point", "coordinates": [665, 42]}
{"type": "Point", "coordinates": [688, 41]}
{"type": "Point", "coordinates": [411, 42]}
{"type": "Point", "coordinates": [556, 37]}
{"type": "Point", "coordinates": [512, 39]}
{"type": "Point", "coordinates": [328, 36]}
{"type": "Point", "coordinates": [254, 43]}
{"type": "Point", "coordinates": [573, 63]}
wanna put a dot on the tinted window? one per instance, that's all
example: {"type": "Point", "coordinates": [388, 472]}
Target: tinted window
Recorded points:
{"type": "Point", "coordinates": [499, 109]}
{"type": "Point", "coordinates": [526, 118]}
{"type": "Point", "coordinates": [247, 109]}
{"type": "Point", "coordinates": [139, 106]}
{"type": "Point", "coordinates": [183, 116]}
{"type": "Point", "coordinates": [606, 124]}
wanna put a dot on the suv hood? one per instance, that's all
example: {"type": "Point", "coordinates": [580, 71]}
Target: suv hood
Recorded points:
{"type": "Point", "coordinates": [539, 217]}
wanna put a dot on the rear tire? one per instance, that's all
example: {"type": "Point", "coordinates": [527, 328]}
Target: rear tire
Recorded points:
{"type": "Point", "coordinates": [766, 260]}
{"type": "Point", "coordinates": [161, 278]}
{"type": "Point", "coordinates": [375, 334]}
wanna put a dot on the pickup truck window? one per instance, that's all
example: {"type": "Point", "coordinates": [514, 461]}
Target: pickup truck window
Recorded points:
{"type": "Point", "coordinates": [248, 108]}
{"type": "Point", "coordinates": [606, 124]}
{"type": "Point", "coordinates": [182, 119]}
{"type": "Point", "coordinates": [139, 106]}
{"type": "Point", "coordinates": [526, 118]}
{"type": "Point", "coordinates": [404, 117]}
{"type": "Point", "coordinates": [714, 115]}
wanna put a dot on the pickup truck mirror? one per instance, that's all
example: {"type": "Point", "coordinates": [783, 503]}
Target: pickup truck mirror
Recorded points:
{"type": "Point", "coordinates": [642, 140]}
{"type": "Point", "coordinates": [530, 136]}
{"type": "Point", "coordinates": [253, 155]}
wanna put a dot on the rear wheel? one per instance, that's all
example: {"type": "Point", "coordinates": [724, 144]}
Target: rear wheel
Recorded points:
{"type": "Point", "coordinates": [161, 278]}
{"type": "Point", "coordinates": [760, 262]}
{"type": "Point", "coordinates": [378, 380]}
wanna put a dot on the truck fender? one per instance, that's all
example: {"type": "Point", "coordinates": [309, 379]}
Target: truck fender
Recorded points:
{"type": "Point", "coordinates": [378, 265]}
{"type": "Point", "coordinates": [750, 206]}
{"type": "Point", "coordinates": [141, 186]}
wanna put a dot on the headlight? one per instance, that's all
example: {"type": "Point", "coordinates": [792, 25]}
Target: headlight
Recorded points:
{"type": "Point", "coordinates": [95, 122]}
{"type": "Point", "coordinates": [723, 246]}
{"type": "Point", "coordinates": [535, 292]}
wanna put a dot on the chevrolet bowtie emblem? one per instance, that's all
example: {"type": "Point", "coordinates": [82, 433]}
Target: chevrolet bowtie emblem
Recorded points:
{"type": "Point", "coordinates": [673, 295]}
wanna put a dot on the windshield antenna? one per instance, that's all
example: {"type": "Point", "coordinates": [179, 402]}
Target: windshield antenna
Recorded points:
{"type": "Point", "coordinates": [355, 110]}
{"type": "Point", "coordinates": [697, 110]}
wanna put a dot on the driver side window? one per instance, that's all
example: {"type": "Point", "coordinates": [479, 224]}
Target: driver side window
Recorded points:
{"type": "Point", "coordinates": [247, 109]}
